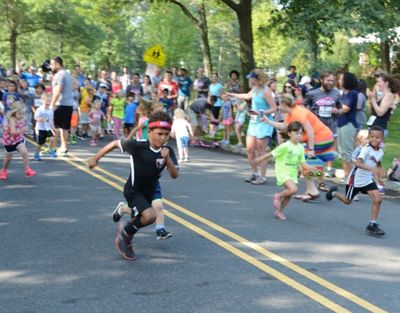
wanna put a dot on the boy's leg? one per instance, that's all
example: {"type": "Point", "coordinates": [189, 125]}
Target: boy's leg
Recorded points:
{"type": "Point", "coordinates": [376, 203]}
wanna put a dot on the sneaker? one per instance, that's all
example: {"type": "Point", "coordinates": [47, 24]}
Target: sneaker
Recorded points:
{"type": "Point", "coordinates": [29, 172]}
{"type": "Point", "coordinates": [259, 181]}
{"type": "Point", "coordinates": [373, 229]}
{"type": "Point", "coordinates": [123, 243]}
{"type": "Point", "coordinates": [180, 160]}
{"type": "Point", "coordinates": [185, 160]}
{"type": "Point", "coordinates": [62, 152]}
{"type": "Point", "coordinates": [93, 143]}
{"type": "Point", "coordinates": [116, 216]}
{"type": "Point", "coordinates": [252, 178]}
{"type": "Point", "coordinates": [3, 174]}
{"type": "Point", "coordinates": [53, 153]}
{"type": "Point", "coordinates": [356, 198]}
{"type": "Point", "coordinates": [72, 140]}
{"type": "Point", "coordinates": [239, 145]}
{"type": "Point", "coordinates": [280, 216]}
{"type": "Point", "coordinates": [163, 234]}
{"type": "Point", "coordinates": [37, 156]}
{"type": "Point", "coordinates": [329, 195]}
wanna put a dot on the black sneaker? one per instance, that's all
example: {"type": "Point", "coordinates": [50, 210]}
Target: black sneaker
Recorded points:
{"type": "Point", "coordinates": [116, 216]}
{"type": "Point", "coordinates": [123, 242]}
{"type": "Point", "coordinates": [253, 177]}
{"type": "Point", "coordinates": [163, 234]}
{"type": "Point", "coordinates": [329, 195]}
{"type": "Point", "coordinates": [373, 229]}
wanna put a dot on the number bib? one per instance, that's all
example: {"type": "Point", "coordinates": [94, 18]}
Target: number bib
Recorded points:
{"type": "Point", "coordinates": [325, 111]}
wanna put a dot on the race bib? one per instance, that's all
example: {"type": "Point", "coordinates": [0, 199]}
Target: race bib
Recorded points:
{"type": "Point", "coordinates": [253, 117]}
{"type": "Point", "coordinates": [325, 111]}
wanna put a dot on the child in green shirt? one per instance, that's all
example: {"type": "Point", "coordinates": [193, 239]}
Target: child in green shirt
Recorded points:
{"type": "Point", "coordinates": [289, 156]}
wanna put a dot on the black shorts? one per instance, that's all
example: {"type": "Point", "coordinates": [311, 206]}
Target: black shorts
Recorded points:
{"type": "Point", "coordinates": [352, 191]}
{"type": "Point", "coordinates": [13, 148]}
{"type": "Point", "coordinates": [137, 202]}
{"type": "Point", "coordinates": [62, 117]}
{"type": "Point", "coordinates": [215, 112]}
{"type": "Point", "coordinates": [128, 125]}
{"type": "Point", "coordinates": [42, 136]}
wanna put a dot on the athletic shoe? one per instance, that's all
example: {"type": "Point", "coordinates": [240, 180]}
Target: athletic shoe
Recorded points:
{"type": "Point", "coordinates": [373, 229]}
{"type": "Point", "coordinates": [185, 160]}
{"type": "Point", "coordinates": [53, 153]}
{"type": "Point", "coordinates": [252, 178]}
{"type": "Point", "coordinates": [37, 157]}
{"type": "Point", "coordinates": [280, 216]}
{"type": "Point", "coordinates": [93, 143]}
{"type": "Point", "coordinates": [123, 243]}
{"type": "Point", "coordinates": [72, 140]}
{"type": "Point", "coordinates": [239, 145]}
{"type": "Point", "coordinates": [116, 216]}
{"type": "Point", "coordinates": [3, 174]}
{"type": "Point", "coordinates": [62, 152]}
{"type": "Point", "coordinates": [29, 172]}
{"type": "Point", "coordinates": [259, 181]}
{"type": "Point", "coordinates": [163, 234]}
{"type": "Point", "coordinates": [329, 195]}
{"type": "Point", "coordinates": [330, 173]}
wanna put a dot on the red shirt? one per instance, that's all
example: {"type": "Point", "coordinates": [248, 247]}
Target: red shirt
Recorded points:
{"type": "Point", "coordinates": [171, 86]}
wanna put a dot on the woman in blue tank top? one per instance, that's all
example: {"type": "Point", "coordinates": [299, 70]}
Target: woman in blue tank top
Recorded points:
{"type": "Point", "coordinates": [258, 132]}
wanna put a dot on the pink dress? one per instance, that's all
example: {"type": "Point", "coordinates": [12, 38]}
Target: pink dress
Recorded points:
{"type": "Point", "coordinates": [10, 140]}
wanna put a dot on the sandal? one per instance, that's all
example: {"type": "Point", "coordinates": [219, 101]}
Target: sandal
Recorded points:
{"type": "Point", "coordinates": [323, 187]}
{"type": "Point", "coordinates": [307, 197]}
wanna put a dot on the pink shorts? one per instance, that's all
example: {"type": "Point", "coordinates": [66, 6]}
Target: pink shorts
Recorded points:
{"type": "Point", "coordinates": [228, 121]}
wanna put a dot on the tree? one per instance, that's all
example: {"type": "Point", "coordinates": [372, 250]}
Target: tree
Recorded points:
{"type": "Point", "coordinates": [200, 21]}
{"type": "Point", "coordinates": [243, 10]}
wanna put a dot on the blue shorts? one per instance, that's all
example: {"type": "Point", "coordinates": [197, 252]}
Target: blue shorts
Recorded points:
{"type": "Point", "coordinates": [184, 142]}
{"type": "Point", "coordinates": [157, 192]}
{"type": "Point", "coordinates": [260, 130]}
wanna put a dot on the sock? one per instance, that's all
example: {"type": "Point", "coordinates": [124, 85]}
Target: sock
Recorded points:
{"type": "Point", "coordinates": [372, 222]}
{"type": "Point", "coordinates": [334, 193]}
{"type": "Point", "coordinates": [133, 226]}
{"type": "Point", "coordinates": [159, 226]}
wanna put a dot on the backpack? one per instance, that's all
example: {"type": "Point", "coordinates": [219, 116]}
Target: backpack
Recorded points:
{"type": "Point", "coordinates": [394, 171]}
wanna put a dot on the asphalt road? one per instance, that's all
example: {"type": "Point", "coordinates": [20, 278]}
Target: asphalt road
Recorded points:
{"type": "Point", "coordinates": [227, 254]}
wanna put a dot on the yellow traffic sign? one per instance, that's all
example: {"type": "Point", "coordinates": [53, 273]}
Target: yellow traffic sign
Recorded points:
{"type": "Point", "coordinates": [155, 55]}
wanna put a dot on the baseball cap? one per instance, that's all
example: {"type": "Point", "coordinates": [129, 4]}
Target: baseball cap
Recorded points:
{"type": "Point", "coordinates": [252, 75]}
{"type": "Point", "coordinates": [305, 80]}
{"type": "Point", "coordinates": [103, 85]}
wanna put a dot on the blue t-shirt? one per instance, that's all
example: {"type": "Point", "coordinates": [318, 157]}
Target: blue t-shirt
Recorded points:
{"type": "Point", "coordinates": [130, 113]}
{"type": "Point", "coordinates": [31, 79]}
{"type": "Point", "coordinates": [8, 99]}
{"type": "Point", "coordinates": [227, 110]}
{"type": "Point", "coordinates": [184, 86]}
{"type": "Point", "coordinates": [349, 99]}
{"type": "Point", "coordinates": [215, 90]}
{"type": "Point", "coordinates": [167, 102]}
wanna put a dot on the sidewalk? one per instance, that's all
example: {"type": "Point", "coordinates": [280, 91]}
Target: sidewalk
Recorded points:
{"type": "Point", "coordinates": [392, 188]}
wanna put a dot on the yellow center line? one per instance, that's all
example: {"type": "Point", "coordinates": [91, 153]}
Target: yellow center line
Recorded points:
{"type": "Point", "coordinates": [303, 289]}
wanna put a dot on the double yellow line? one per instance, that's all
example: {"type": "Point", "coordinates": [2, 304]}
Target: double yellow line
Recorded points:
{"type": "Point", "coordinates": [81, 165]}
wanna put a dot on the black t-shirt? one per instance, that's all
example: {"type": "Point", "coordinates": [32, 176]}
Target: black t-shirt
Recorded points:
{"type": "Point", "coordinates": [146, 167]}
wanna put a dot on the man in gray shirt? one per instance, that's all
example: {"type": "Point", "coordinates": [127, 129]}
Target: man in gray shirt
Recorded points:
{"type": "Point", "coordinates": [62, 101]}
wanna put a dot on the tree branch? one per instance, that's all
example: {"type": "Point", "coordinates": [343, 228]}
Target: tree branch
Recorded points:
{"type": "Point", "coordinates": [234, 6]}
{"type": "Point", "coordinates": [185, 10]}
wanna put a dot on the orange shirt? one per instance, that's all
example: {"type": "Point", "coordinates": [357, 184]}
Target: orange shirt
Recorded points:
{"type": "Point", "coordinates": [301, 114]}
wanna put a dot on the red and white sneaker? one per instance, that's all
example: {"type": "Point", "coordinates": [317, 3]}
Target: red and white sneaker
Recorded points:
{"type": "Point", "coordinates": [3, 174]}
{"type": "Point", "coordinates": [30, 172]}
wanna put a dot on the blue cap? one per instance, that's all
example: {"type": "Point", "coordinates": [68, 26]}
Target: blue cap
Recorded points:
{"type": "Point", "coordinates": [252, 75]}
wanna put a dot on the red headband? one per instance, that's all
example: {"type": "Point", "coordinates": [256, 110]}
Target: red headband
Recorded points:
{"type": "Point", "coordinates": [160, 124]}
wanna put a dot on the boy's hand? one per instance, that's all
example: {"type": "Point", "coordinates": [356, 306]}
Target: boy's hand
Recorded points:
{"type": "Point", "coordinates": [93, 162]}
{"type": "Point", "coordinates": [165, 153]}
{"type": "Point", "coordinates": [256, 161]}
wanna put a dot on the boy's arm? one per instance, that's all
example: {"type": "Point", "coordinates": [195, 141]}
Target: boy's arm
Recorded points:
{"type": "Point", "coordinates": [172, 170]}
{"type": "Point", "coordinates": [102, 152]}
{"type": "Point", "coordinates": [264, 157]}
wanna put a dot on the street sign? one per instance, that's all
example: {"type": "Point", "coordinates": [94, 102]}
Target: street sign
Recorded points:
{"type": "Point", "coordinates": [155, 55]}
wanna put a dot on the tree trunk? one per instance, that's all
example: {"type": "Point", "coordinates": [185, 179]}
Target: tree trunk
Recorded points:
{"type": "Point", "coordinates": [13, 49]}
{"type": "Point", "coordinates": [313, 40]}
{"type": "Point", "coordinates": [205, 45]}
{"type": "Point", "coordinates": [385, 56]}
{"type": "Point", "coordinates": [246, 40]}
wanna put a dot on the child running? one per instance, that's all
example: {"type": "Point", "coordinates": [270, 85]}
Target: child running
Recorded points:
{"type": "Point", "coordinates": [289, 156]}
{"type": "Point", "coordinates": [44, 127]}
{"type": "Point", "coordinates": [14, 140]}
{"type": "Point", "coordinates": [182, 131]}
{"type": "Point", "coordinates": [148, 160]}
{"type": "Point", "coordinates": [96, 115]}
{"type": "Point", "coordinates": [364, 178]}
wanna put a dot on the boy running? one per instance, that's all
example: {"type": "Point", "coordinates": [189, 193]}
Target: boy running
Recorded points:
{"type": "Point", "coordinates": [148, 160]}
{"type": "Point", "coordinates": [363, 178]}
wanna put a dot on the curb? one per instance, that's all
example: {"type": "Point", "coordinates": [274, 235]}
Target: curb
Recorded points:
{"type": "Point", "coordinates": [392, 188]}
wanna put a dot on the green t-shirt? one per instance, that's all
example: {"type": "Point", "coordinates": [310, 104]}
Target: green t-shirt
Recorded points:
{"type": "Point", "coordinates": [288, 158]}
{"type": "Point", "coordinates": [118, 107]}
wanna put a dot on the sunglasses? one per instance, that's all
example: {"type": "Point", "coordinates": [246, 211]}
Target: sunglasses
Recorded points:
{"type": "Point", "coordinates": [288, 86]}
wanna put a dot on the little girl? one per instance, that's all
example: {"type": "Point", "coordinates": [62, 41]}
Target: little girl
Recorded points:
{"type": "Point", "coordinates": [117, 112]}
{"type": "Point", "coordinates": [143, 111]}
{"type": "Point", "coordinates": [227, 118]}
{"type": "Point", "coordinates": [240, 118]}
{"type": "Point", "coordinates": [289, 156]}
{"type": "Point", "coordinates": [182, 131]}
{"type": "Point", "coordinates": [95, 117]}
{"type": "Point", "coordinates": [14, 140]}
